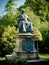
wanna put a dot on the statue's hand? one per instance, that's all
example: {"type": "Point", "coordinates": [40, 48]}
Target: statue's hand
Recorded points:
{"type": "Point", "coordinates": [28, 19]}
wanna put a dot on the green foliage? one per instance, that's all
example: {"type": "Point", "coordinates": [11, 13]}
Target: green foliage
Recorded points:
{"type": "Point", "coordinates": [38, 35]}
{"type": "Point", "coordinates": [1, 29]}
{"type": "Point", "coordinates": [40, 7]}
{"type": "Point", "coordinates": [8, 40]}
{"type": "Point", "coordinates": [16, 61]}
{"type": "Point", "coordinates": [44, 44]}
{"type": "Point", "coordinates": [9, 19]}
{"type": "Point", "coordinates": [10, 6]}
{"type": "Point", "coordinates": [45, 32]}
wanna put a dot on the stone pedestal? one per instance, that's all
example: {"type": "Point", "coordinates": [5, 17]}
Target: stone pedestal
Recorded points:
{"type": "Point", "coordinates": [25, 47]}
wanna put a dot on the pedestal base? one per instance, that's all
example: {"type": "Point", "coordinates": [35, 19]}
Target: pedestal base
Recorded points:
{"type": "Point", "coordinates": [25, 47]}
{"type": "Point", "coordinates": [26, 55]}
{"type": "Point", "coordinates": [37, 60]}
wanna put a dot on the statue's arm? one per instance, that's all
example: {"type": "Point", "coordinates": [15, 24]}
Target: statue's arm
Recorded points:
{"type": "Point", "coordinates": [20, 18]}
{"type": "Point", "coordinates": [28, 19]}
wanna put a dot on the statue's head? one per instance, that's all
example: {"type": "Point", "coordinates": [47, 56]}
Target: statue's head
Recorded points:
{"type": "Point", "coordinates": [22, 10]}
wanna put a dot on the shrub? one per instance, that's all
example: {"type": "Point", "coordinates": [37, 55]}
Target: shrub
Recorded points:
{"type": "Point", "coordinates": [8, 40]}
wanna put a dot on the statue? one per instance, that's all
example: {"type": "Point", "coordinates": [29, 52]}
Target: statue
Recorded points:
{"type": "Point", "coordinates": [24, 23]}
{"type": "Point", "coordinates": [25, 46]}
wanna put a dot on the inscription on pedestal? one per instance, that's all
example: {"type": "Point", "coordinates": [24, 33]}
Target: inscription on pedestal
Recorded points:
{"type": "Point", "coordinates": [27, 44]}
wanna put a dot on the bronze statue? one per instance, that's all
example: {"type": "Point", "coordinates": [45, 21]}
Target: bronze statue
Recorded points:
{"type": "Point", "coordinates": [24, 23]}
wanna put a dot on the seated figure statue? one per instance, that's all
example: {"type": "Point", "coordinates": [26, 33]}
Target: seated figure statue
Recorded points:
{"type": "Point", "coordinates": [24, 23]}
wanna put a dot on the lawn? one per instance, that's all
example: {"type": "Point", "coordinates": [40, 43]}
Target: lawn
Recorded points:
{"type": "Point", "coordinates": [2, 58]}
{"type": "Point", "coordinates": [46, 56]}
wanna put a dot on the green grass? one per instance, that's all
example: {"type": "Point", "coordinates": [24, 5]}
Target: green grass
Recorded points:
{"type": "Point", "coordinates": [2, 58]}
{"type": "Point", "coordinates": [46, 56]}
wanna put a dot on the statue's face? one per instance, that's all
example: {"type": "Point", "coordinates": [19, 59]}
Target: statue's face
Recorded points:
{"type": "Point", "coordinates": [22, 11]}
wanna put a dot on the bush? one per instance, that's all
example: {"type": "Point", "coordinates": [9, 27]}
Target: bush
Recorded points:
{"type": "Point", "coordinates": [18, 61]}
{"type": "Point", "coordinates": [44, 44]}
{"type": "Point", "coordinates": [8, 40]}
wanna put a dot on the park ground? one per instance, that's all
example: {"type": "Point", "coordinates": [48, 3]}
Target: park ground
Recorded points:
{"type": "Point", "coordinates": [4, 61]}
{"type": "Point", "coordinates": [46, 56]}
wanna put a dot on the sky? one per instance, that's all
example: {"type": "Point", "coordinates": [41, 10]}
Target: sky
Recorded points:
{"type": "Point", "coordinates": [3, 3]}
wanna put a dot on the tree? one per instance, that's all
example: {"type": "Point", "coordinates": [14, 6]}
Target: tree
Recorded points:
{"type": "Point", "coordinates": [9, 19]}
{"type": "Point", "coordinates": [44, 44]}
{"type": "Point", "coordinates": [40, 7]}
{"type": "Point", "coordinates": [45, 32]}
{"type": "Point", "coordinates": [10, 6]}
